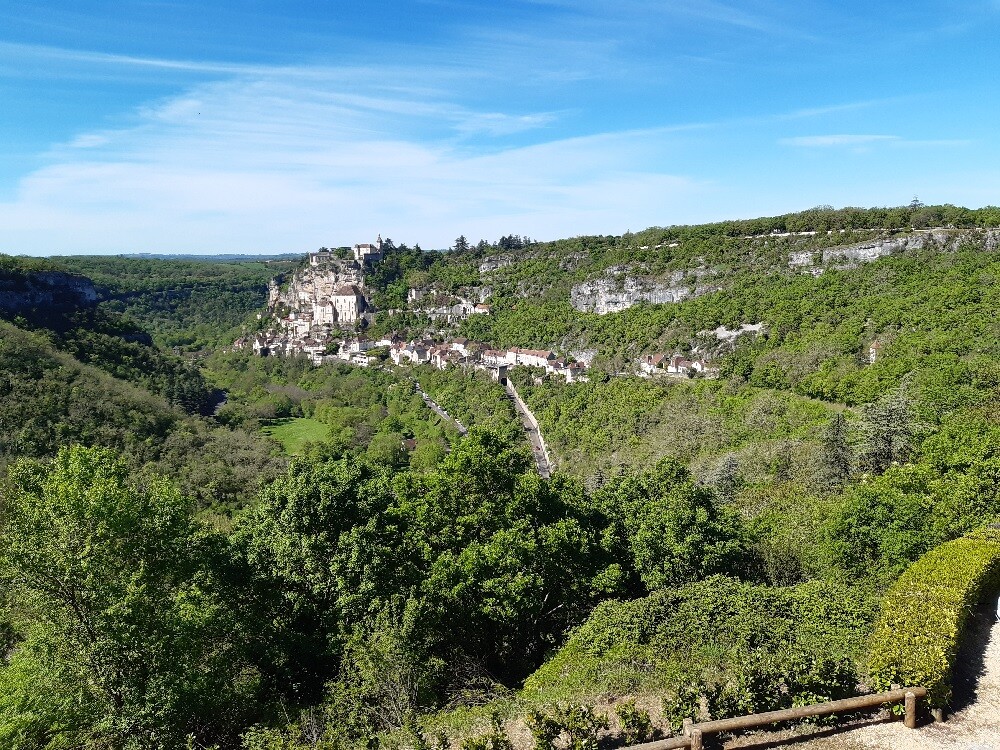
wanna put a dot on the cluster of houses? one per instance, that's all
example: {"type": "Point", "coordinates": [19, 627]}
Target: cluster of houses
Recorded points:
{"type": "Point", "coordinates": [457, 352]}
{"type": "Point", "coordinates": [464, 353]}
{"type": "Point", "coordinates": [675, 364]}
{"type": "Point", "coordinates": [328, 296]}
{"type": "Point", "coordinates": [442, 308]}
{"type": "Point", "coordinates": [318, 302]}
{"type": "Point", "coordinates": [284, 345]}
{"type": "Point", "coordinates": [654, 365]}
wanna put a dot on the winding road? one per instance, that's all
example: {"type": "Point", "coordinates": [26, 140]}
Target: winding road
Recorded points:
{"type": "Point", "coordinates": [531, 431]}
{"type": "Point", "coordinates": [436, 408]}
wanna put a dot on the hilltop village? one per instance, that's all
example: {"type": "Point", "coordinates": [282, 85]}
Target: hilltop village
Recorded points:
{"type": "Point", "coordinates": [325, 307]}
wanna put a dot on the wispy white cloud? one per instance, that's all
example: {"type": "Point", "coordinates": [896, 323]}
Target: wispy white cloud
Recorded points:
{"type": "Point", "coordinates": [497, 123]}
{"type": "Point", "coordinates": [423, 143]}
{"type": "Point", "coordinates": [89, 140]}
{"type": "Point", "coordinates": [857, 140]}
{"type": "Point", "coordinates": [268, 165]}
{"type": "Point", "coordinates": [29, 54]}
{"type": "Point", "coordinates": [822, 141]}
{"type": "Point", "coordinates": [829, 109]}
{"type": "Point", "coordinates": [733, 15]}
{"type": "Point", "coordinates": [743, 15]}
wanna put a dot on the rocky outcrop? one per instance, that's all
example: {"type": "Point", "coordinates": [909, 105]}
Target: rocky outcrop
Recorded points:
{"type": "Point", "coordinates": [495, 262]}
{"type": "Point", "coordinates": [55, 290]}
{"type": "Point", "coordinates": [850, 256]}
{"type": "Point", "coordinates": [618, 291]}
{"type": "Point", "coordinates": [311, 284]}
{"type": "Point", "coordinates": [310, 313]}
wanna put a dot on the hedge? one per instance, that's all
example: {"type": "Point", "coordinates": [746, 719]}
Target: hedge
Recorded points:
{"type": "Point", "coordinates": [924, 614]}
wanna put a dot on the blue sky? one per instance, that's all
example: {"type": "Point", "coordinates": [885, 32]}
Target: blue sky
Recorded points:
{"type": "Point", "coordinates": [255, 126]}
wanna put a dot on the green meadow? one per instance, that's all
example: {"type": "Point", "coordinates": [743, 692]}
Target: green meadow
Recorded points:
{"type": "Point", "coordinates": [294, 433]}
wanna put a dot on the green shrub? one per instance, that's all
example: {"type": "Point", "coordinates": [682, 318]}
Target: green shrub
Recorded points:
{"type": "Point", "coordinates": [495, 739]}
{"type": "Point", "coordinates": [578, 722]}
{"type": "Point", "coordinates": [636, 724]}
{"type": "Point", "coordinates": [719, 646]}
{"type": "Point", "coordinates": [916, 638]}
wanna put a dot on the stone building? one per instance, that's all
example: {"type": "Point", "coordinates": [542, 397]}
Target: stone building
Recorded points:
{"type": "Point", "coordinates": [348, 303]}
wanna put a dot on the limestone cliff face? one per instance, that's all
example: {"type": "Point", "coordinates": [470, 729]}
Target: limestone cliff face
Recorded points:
{"type": "Point", "coordinates": [850, 256]}
{"type": "Point", "coordinates": [311, 284]}
{"type": "Point", "coordinates": [495, 262]}
{"type": "Point", "coordinates": [44, 289]}
{"type": "Point", "coordinates": [617, 290]}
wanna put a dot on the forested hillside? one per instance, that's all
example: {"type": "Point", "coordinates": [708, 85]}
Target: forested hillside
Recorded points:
{"type": "Point", "coordinates": [370, 577]}
{"type": "Point", "coordinates": [186, 303]}
{"type": "Point", "coordinates": [73, 373]}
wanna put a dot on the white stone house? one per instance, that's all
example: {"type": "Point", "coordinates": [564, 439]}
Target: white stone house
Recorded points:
{"type": "Point", "coordinates": [368, 253]}
{"type": "Point", "coordinates": [323, 256]}
{"type": "Point", "coordinates": [323, 312]}
{"type": "Point", "coordinates": [530, 357]}
{"type": "Point", "coordinates": [260, 346]}
{"type": "Point", "coordinates": [576, 371]}
{"type": "Point", "coordinates": [681, 365]}
{"type": "Point", "coordinates": [355, 346]}
{"type": "Point", "coordinates": [494, 357]}
{"type": "Point", "coordinates": [348, 302]}
{"type": "Point", "coordinates": [652, 362]}
{"type": "Point", "coordinates": [874, 350]}
{"type": "Point", "coordinates": [415, 353]}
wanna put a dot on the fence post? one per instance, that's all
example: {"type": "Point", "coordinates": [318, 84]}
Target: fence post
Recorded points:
{"type": "Point", "coordinates": [910, 701]}
{"type": "Point", "coordinates": [696, 740]}
{"type": "Point", "coordinates": [686, 727]}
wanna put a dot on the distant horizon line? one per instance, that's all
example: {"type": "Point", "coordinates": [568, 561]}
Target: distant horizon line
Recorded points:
{"type": "Point", "coordinates": [913, 205]}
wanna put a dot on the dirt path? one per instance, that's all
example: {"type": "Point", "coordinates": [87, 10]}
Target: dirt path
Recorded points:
{"type": "Point", "coordinates": [974, 726]}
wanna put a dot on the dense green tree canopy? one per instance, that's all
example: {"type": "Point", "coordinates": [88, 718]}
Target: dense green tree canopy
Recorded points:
{"type": "Point", "coordinates": [115, 612]}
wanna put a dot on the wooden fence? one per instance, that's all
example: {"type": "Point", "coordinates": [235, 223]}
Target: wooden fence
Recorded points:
{"type": "Point", "coordinates": [694, 733]}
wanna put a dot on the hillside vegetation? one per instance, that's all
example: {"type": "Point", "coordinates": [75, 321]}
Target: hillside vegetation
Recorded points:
{"type": "Point", "coordinates": [191, 303]}
{"type": "Point", "coordinates": [708, 547]}
{"type": "Point", "coordinates": [71, 373]}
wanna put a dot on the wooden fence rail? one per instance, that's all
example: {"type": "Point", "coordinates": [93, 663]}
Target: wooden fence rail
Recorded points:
{"type": "Point", "coordinates": [694, 733]}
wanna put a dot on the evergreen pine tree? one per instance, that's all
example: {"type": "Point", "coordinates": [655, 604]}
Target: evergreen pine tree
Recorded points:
{"type": "Point", "coordinates": [838, 457]}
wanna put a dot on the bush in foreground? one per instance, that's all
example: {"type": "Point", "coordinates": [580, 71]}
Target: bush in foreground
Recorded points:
{"type": "Point", "coordinates": [924, 614]}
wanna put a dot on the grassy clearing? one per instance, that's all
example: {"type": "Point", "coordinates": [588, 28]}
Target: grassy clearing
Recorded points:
{"type": "Point", "coordinates": [293, 434]}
